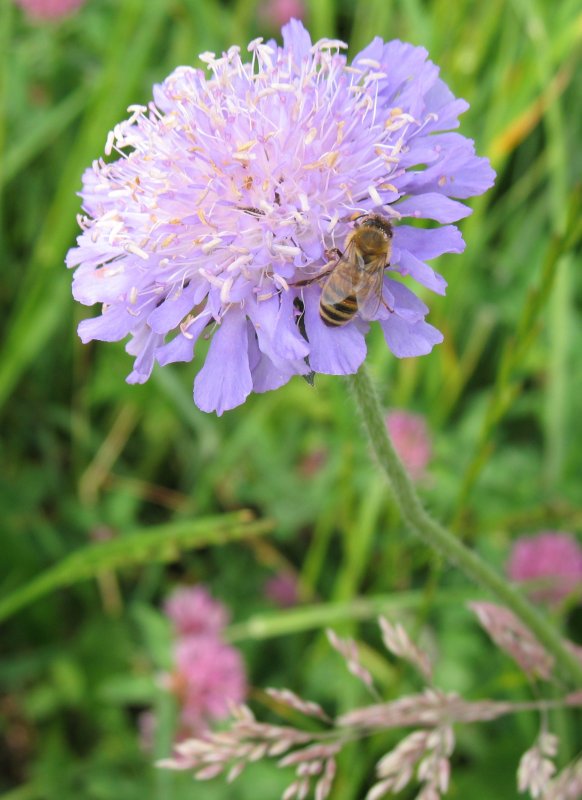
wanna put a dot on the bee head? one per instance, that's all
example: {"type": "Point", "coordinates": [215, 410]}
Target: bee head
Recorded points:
{"type": "Point", "coordinates": [376, 222]}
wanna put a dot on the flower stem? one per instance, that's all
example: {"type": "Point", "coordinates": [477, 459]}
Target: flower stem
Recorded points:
{"type": "Point", "coordinates": [442, 540]}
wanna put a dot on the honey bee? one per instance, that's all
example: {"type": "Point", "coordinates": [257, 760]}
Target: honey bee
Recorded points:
{"type": "Point", "coordinates": [354, 281]}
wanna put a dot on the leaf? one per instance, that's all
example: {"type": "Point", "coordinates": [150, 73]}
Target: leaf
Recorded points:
{"type": "Point", "coordinates": [160, 543]}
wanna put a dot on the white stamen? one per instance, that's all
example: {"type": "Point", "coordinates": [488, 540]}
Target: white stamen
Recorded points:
{"type": "Point", "coordinates": [312, 133]}
{"type": "Point", "coordinates": [185, 324]}
{"type": "Point", "coordinates": [242, 148]}
{"type": "Point", "coordinates": [328, 44]}
{"type": "Point", "coordinates": [208, 247]}
{"type": "Point", "coordinates": [333, 222]}
{"type": "Point", "coordinates": [375, 76]}
{"type": "Point", "coordinates": [369, 62]}
{"type": "Point", "coordinates": [373, 192]}
{"type": "Point", "coordinates": [239, 262]}
{"type": "Point", "coordinates": [225, 290]}
{"type": "Point", "coordinates": [212, 279]}
{"type": "Point", "coordinates": [283, 87]}
{"type": "Point", "coordinates": [130, 247]}
{"type": "Point", "coordinates": [286, 249]}
{"type": "Point", "coordinates": [109, 143]}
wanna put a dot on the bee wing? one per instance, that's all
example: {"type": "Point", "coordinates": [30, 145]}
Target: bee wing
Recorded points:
{"type": "Point", "coordinates": [369, 291]}
{"type": "Point", "coordinates": [346, 273]}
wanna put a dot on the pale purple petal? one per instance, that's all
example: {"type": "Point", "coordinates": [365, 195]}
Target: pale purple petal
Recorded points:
{"type": "Point", "coordinates": [432, 206]}
{"type": "Point", "coordinates": [225, 379]}
{"type": "Point", "coordinates": [429, 243]}
{"type": "Point", "coordinates": [296, 39]}
{"type": "Point", "coordinates": [181, 348]}
{"type": "Point", "coordinates": [170, 313]}
{"type": "Point", "coordinates": [143, 345]}
{"type": "Point", "coordinates": [405, 303]}
{"type": "Point", "coordinates": [406, 340]}
{"type": "Point", "coordinates": [407, 264]}
{"type": "Point", "coordinates": [113, 324]}
{"type": "Point", "coordinates": [267, 375]}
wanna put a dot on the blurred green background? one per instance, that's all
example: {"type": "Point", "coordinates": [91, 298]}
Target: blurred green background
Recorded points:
{"type": "Point", "coordinates": [86, 457]}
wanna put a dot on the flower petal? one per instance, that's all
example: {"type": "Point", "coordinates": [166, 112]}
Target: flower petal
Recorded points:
{"type": "Point", "coordinates": [407, 340]}
{"type": "Point", "coordinates": [406, 304]}
{"type": "Point", "coordinates": [429, 243]}
{"type": "Point", "coordinates": [296, 39]}
{"type": "Point", "coordinates": [332, 351]}
{"type": "Point", "coordinates": [110, 326]}
{"type": "Point", "coordinates": [432, 206]}
{"type": "Point", "coordinates": [407, 264]}
{"type": "Point", "coordinates": [181, 348]}
{"type": "Point", "coordinates": [225, 379]}
{"type": "Point", "coordinates": [266, 375]}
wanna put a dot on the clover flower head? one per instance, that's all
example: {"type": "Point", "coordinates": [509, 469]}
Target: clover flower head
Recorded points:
{"type": "Point", "coordinates": [411, 439]}
{"type": "Point", "coordinates": [208, 678]}
{"type": "Point", "coordinates": [278, 12]}
{"type": "Point", "coordinates": [231, 190]}
{"type": "Point", "coordinates": [551, 557]}
{"type": "Point", "coordinates": [193, 611]}
{"type": "Point", "coordinates": [283, 590]}
{"type": "Point", "coordinates": [49, 9]}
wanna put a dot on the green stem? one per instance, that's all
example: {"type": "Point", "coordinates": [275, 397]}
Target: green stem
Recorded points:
{"type": "Point", "coordinates": [442, 540]}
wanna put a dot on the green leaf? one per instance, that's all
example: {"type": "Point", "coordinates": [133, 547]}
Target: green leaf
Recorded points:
{"type": "Point", "coordinates": [160, 543]}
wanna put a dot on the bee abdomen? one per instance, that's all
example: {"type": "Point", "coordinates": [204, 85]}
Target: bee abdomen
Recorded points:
{"type": "Point", "coordinates": [336, 314]}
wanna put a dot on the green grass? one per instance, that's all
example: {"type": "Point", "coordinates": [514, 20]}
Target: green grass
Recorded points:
{"type": "Point", "coordinates": [86, 455]}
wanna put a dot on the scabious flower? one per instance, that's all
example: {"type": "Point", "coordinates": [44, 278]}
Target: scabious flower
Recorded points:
{"type": "Point", "coordinates": [49, 9]}
{"type": "Point", "coordinates": [194, 612]}
{"type": "Point", "coordinates": [230, 189]}
{"type": "Point", "coordinates": [208, 677]}
{"type": "Point", "coordinates": [551, 558]}
{"type": "Point", "coordinates": [411, 439]}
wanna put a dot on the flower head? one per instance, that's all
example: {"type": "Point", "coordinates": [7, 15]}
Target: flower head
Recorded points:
{"type": "Point", "coordinates": [282, 589]}
{"type": "Point", "coordinates": [278, 12]}
{"type": "Point", "coordinates": [49, 9]}
{"type": "Point", "coordinates": [231, 192]}
{"type": "Point", "coordinates": [209, 676]}
{"type": "Point", "coordinates": [194, 611]}
{"type": "Point", "coordinates": [554, 559]}
{"type": "Point", "coordinates": [411, 439]}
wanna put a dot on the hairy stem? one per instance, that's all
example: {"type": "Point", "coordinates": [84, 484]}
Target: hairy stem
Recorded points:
{"type": "Point", "coordinates": [442, 540]}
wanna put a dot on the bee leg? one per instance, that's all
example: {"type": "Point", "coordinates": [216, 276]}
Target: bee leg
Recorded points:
{"type": "Point", "coordinates": [391, 310]}
{"type": "Point", "coordinates": [335, 256]}
{"type": "Point", "coordinates": [309, 281]}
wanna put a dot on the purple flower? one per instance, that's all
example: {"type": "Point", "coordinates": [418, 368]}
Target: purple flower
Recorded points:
{"type": "Point", "coordinates": [230, 189]}
{"type": "Point", "coordinates": [209, 676]}
{"type": "Point", "coordinates": [411, 439]}
{"type": "Point", "coordinates": [194, 611]}
{"type": "Point", "coordinates": [553, 559]}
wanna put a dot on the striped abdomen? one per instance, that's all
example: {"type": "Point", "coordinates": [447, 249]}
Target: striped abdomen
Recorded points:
{"type": "Point", "coordinates": [338, 305]}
